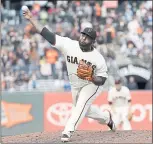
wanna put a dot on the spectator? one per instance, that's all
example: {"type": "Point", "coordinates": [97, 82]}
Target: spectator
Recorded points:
{"type": "Point", "coordinates": [132, 85]}
{"type": "Point", "coordinates": [88, 11]}
{"type": "Point", "coordinates": [12, 88]}
{"type": "Point", "coordinates": [109, 31]}
{"type": "Point", "coordinates": [129, 49]}
{"type": "Point", "coordinates": [32, 84]}
{"type": "Point", "coordinates": [147, 37]}
{"type": "Point", "coordinates": [51, 57]}
{"type": "Point", "coordinates": [133, 25]}
{"type": "Point", "coordinates": [128, 14]}
{"type": "Point", "coordinates": [43, 16]}
{"type": "Point", "coordinates": [34, 57]}
{"type": "Point", "coordinates": [45, 68]}
{"type": "Point", "coordinates": [58, 66]}
{"type": "Point", "coordinates": [121, 32]}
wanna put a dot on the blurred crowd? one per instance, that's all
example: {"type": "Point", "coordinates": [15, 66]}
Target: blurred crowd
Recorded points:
{"type": "Point", "coordinates": [123, 32]}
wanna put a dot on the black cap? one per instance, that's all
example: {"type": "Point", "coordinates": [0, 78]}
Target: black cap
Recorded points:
{"type": "Point", "coordinates": [90, 32]}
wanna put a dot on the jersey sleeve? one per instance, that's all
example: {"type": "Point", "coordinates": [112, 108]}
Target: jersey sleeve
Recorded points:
{"type": "Point", "coordinates": [60, 43]}
{"type": "Point", "coordinates": [110, 97]}
{"type": "Point", "coordinates": [101, 68]}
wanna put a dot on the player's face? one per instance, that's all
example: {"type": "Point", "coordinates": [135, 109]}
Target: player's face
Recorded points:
{"type": "Point", "coordinates": [118, 86]}
{"type": "Point", "coordinates": [85, 39]}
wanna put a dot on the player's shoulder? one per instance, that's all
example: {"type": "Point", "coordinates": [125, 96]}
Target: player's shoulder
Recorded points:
{"type": "Point", "coordinates": [125, 88]}
{"type": "Point", "coordinates": [72, 43]}
{"type": "Point", "coordinates": [64, 38]}
{"type": "Point", "coordinates": [97, 52]}
{"type": "Point", "coordinates": [69, 40]}
{"type": "Point", "coordinates": [112, 89]}
{"type": "Point", "coordinates": [99, 55]}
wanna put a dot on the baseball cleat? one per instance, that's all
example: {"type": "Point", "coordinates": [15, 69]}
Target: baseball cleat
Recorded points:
{"type": "Point", "coordinates": [65, 138]}
{"type": "Point", "coordinates": [111, 124]}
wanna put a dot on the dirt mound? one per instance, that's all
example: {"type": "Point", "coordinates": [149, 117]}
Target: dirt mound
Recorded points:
{"type": "Point", "coordinates": [84, 137]}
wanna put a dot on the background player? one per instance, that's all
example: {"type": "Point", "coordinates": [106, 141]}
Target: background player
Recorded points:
{"type": "Point", "coordinates": [84, 89]}
{"type": "Point", "coordinates": [119, 99]}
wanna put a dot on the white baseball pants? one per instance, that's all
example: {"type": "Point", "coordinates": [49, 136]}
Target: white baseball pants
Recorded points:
{"type": "Point", "coordinates": [120, 115]}
{"type": "Point", "coordinates": [82, 106]}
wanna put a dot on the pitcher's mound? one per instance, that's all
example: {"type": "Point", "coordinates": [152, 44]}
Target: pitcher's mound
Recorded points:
{"type": "Point", "coordinates": [84, 137]}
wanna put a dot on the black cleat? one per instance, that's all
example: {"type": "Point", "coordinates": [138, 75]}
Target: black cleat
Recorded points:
{"type": "Point", "coordinates": [65, 138]}
{"type": "Point", "coordinates": [111, 124]}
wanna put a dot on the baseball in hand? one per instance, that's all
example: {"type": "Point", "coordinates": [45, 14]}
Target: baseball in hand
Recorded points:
{"type": "Point", "coordinates": [25, 8]}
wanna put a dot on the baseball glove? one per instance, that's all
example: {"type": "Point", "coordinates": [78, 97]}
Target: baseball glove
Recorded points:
{"type": "Point", "coordinates": [84, 71]}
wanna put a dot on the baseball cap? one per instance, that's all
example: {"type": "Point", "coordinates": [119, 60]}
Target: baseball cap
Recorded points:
{"type": "Point", "coordinates": [117, 81]}
{"type": "Point", "coordinates": [90, 32]}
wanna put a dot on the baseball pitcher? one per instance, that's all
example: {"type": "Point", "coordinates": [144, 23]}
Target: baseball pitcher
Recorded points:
{"type": "Point", "coordinates": [87, 72]}
{"type": "Point", "coordinates": [119, 99]}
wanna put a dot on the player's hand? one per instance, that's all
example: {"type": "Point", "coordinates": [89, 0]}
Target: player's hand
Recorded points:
{"type": "Point", "coordinates": [26, 13]}
{"type": "Point", "coordinates": [130, 116]}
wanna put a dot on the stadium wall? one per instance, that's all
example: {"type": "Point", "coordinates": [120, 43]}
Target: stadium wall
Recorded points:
{"type": "Point", "coordinates": [35, 112]}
